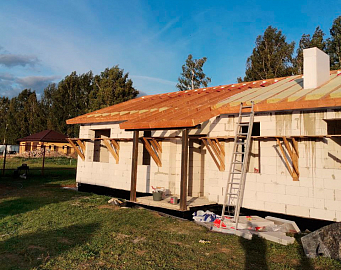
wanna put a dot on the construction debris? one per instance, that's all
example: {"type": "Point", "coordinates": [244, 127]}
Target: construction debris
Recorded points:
{"type": "Point", "coordinates": [270, 228]}
{"type": "Point", "coordinates": [323, 242]}
{"type": "Point", "coordinates": [117, 202]}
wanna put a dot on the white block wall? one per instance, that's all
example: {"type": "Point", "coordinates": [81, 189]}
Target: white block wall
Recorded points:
{"type": "Point", "coordinates": [317, 194]}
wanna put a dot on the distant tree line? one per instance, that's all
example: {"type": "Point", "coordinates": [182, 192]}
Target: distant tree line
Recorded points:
{"type": "Point", "coordinates": [75, 95]}
{"type": "Point", "coordinates": [274, 57]}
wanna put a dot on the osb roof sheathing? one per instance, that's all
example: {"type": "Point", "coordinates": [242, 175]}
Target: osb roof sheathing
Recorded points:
{"type": "Point", "coordinates": [192, 107]}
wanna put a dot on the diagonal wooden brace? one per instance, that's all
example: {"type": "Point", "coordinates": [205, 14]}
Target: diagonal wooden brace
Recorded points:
{"type": "Point", "coordinates": [217, 152]}
{"type": "Point", "coordinates": [293, 154]}
{"type": "Point", "coordinates": [79, 147]}
{"type": "Point", "coordinates": [113, 148]}
{"type": "Point", "coordinates": [154, 149]}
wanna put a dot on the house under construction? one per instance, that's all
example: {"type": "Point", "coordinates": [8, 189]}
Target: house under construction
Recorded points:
{"type": "Point", "coordinates": [182, 141]}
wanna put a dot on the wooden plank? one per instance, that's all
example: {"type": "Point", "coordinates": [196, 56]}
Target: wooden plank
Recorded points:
{"type": "Point", "coordinates": [81, 145]}
{"type": "Point", "coordinates": [184, 168]}
{"type": "Point", "coordinates": [291, 154]}
{"type": "Point", "coordinates": [211, 153]}
{"type": "Point", "coordinates": [295, 145]}
{"type": "Point", "coordinates": [284, 156]}
{"type": "Point", "coordinates": [115, 144]}
{"type": "Point", "coordinates": [111, 150]}
{"type": "Point", "coordinates": [221, 146]}
{"type": "Point", "coordinates": [152, 153]}
{"type": "Point", "coordinates": [76, 149]}
{"type": "Point", "coordinates": [218, 153]}
{"type": "Point", "coordinates": [134, 166]}
{"type": "Point", "coordinates": [156, 146]}
{"type": "Point", "coordinates": [295, 159]}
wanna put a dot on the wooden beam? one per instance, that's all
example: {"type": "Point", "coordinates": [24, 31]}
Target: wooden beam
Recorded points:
{"type": "Point", "coordinates": [111, 149]}
{"type": "Point", "coordinates": [184, 167]}
{"type": "Point", "coordinates": [293, 153]}
{"type": "Point", "coordinates": [153, 151]}
{"type": "Point", "coordinates": [134, 166]}
{"type": "Point", "coordinates": [218, 153]}
{"type": "Point", "coordinates": [81, 145]}
{"type": "Point", "coordinates": [211, 153]}
{"type": "Point", "coordinates": [115, 144]}
{"type": "Point", "coordinates": [43, 166]}
{"type": "Point", "coordinates": [295, 172]}
{"type": "Point", "coordinates": [284, 156]}
{"type": "Point", "coordinates": [156, 145]}
{"type": "Point", "coordinates": [78, 151]}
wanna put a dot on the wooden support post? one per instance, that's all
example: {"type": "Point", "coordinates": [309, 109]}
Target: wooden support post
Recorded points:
{"type": "Point", "coordinates": [184, 164]}
{"type": "Point", "coordinates": [134, 166]}
{"type": "Point", "coordinates": [4, 165]}
{"type": "Point", "coordinates": [43, 167]}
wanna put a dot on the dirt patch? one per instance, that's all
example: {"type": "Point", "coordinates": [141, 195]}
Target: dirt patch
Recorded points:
{"type": "Point", "coordinates": [121, 236]}
{"type": "Point", "coordinates": [226, 250]}
{"type": "Point", "coordinates": [141, 252]}
{"type": "Point", "coordinates": [139, 239]}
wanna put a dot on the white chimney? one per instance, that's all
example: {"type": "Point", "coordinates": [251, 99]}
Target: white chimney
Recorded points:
{"type": "Point", "coordinates": [316, 69]}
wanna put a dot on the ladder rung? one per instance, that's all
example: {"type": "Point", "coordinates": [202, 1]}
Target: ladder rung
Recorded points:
{"type": "Point", "coordinates": [236, 172]}
{"type": "Point", "coordinates": [232, 194]}
{"type": "Point", "coordinates": [234, 183]}
{"type": "Point", "coordinates": [240, 142]}
{"type": "Point", "coordinates": [242, 134]}
{"type": "Point", "coordinates": [244, 124]}
{"type": "Point", "coordinates": [246, 107]}
{"type": "Point", "coordinates": [242, 153]}
{"type": "Point", "coordinates": [237, 162]}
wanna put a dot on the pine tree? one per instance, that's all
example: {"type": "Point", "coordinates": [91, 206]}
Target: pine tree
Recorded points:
{"type": "Point", "coordinates": [193, 76]}
{"type": "Point", "coordinates": [112, 86]}
{"type": "Point", "coordinates": [334, 44]}
{"type": "Point", "coordinates": [271, 58]}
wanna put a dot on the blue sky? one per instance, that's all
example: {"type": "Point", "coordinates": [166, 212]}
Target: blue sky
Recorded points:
{"type": "Point", "coordinates": [42, 41]}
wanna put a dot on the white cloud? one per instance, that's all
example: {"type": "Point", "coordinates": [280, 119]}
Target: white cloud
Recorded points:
{"type": "Point", "coordinates": [36, 82]}
{"type": "Point", "coordinates": [12, 60]}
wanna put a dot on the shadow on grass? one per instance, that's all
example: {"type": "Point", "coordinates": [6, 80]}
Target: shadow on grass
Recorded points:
{"type": "Point", "coordinates": [34, 249]}
{"type": "Point", "coordinates": [255, 253]}
{"type": "Point", "coordinates": [305, 262]}
{"type": "Point", "coordinates": [32, 193]}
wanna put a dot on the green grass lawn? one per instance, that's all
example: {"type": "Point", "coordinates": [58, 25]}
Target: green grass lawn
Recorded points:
{"type": "Point", "coordinates": [36, 163]}
{"type": "Point", "coordinates": [45, 227]}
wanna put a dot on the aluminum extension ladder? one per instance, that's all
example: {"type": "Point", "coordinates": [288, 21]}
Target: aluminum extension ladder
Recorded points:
{"type": "Point", "coordinates": [234, 191]}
